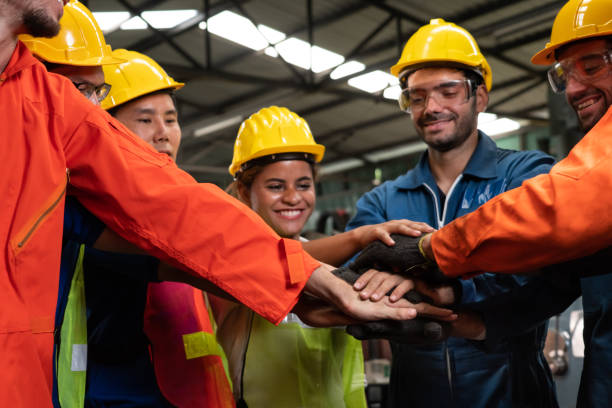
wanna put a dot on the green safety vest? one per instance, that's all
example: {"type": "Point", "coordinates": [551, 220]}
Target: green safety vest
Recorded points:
{"type": "Point", "coordinates": [292, 366]}
{"type": "Point", "coordinates": [72, 354]}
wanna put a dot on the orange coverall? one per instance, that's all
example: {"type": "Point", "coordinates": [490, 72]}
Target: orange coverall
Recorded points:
{"type": "Point", "coordinates": [551, 218]}
{"type": "Point", "coordinates": [54, 141]}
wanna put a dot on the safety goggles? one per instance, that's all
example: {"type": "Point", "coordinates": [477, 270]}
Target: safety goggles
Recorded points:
{"type": "Point", "coordinates": [89, 90]}
{"type": "Point", "coordinates": [447, 94]}
{"type": "Point", "coordinates": [584, 69]}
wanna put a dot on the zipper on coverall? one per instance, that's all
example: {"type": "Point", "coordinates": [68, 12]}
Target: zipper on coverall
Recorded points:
{"type": "Point", "coordinates": [46, 212]}
{"type": "Point", "coordinates": [440, 222]}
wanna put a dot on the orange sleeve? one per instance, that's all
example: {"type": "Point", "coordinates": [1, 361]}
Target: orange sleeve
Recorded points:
{"type": "Point", "coordinates": [149, 201]}
{"type": "Point", "coordinates": [551, 218]}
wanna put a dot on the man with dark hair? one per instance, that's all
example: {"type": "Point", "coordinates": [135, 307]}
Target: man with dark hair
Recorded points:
{"type": "Point", "coordinates": [559, 216]}
{"type": "Point", "coordinates": [445, 82]}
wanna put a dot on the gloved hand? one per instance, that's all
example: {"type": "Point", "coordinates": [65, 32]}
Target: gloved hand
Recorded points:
{"type": "Point", "coordinates": [404, 257]}
{"type": "Point", "coordinates": [416, 331]}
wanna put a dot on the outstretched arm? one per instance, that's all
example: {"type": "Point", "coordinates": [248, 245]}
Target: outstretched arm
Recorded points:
{"type": "Point", "coordinates": [339, 248]}
{"type": "Point", "coordinates": [549, 219]}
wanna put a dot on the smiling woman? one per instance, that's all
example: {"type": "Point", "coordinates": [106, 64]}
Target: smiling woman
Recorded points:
{"type": "Point", "coordinates": [292, 364]}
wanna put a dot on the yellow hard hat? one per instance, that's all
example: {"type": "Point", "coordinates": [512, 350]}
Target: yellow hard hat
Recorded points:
{"type": "Point", "coordinates": [273, 130]}
{"type": "Point", "coordinates": [139, 75]}
{"type": "Point", "coordinates": [577, 19]}
{"type": "Point", "coordinates": [80, 41]}
{"type": "Point", "coordinates": [442, 42]}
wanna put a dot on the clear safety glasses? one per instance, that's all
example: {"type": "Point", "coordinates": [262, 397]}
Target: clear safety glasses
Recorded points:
{"type": "Point", "coordinates": [584, 69]}
{"type": "Point", "coordinates": [89, 90]}
{"type": "Point", "coordinates": [448, 93]}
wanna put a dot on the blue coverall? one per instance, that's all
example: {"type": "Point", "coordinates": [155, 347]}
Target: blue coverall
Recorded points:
{"type": "Point", "coordinates": [459, 372]}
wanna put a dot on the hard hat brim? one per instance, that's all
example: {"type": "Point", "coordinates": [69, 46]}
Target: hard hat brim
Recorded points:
{"type": "Point", "coordinates": [547, 56]}
{"type": "Point", "coordinates": [317, 150]}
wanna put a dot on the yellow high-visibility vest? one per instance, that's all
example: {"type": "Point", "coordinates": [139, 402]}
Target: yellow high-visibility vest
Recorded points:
{"type": "Point", "coordinates": [292, 365]}
{"type": "Point", "coordinates": [72, 353]}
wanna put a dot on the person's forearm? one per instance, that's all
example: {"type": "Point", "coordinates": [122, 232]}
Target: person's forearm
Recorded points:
{"type": "Point", "coordinates": [551, 218]}
{"type": "Point", "coordinates": [166, 272]}
{"type": "Point", "coordinates": [148, 201]}
{"type": "Point", "coordinates": [111, 242]}
{"type": "Point", "coordinates": [334, 250]}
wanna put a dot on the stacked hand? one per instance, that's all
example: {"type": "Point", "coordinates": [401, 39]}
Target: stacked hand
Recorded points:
{"type": "Point", "coordinates": [412, 271]}
{"type": "Point", "coordinates": [415, 331]}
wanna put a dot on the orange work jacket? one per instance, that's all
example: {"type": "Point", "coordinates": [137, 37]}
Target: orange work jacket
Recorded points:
{"type": "Point", "coordinates": [53, 140]}
{"type": "Point", "coordinates": [551, 218]}
{"type": "Point", "coordinates": [186, 356]}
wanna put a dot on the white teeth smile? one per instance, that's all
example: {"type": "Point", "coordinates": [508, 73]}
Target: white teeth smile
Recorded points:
{"type": "Point", "coordinates": [586, 104]}
{"type": "Point", "coordinates": [290, 213]}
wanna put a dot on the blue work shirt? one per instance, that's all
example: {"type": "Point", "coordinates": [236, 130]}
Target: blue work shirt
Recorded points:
{"type": "Point", "coordinates": [460, 372]}
{"type": "Point", "coordinates": [119, 368]}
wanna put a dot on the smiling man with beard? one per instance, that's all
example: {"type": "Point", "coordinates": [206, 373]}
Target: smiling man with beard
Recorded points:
{"type": "Point", "coordinates": [445, 82]}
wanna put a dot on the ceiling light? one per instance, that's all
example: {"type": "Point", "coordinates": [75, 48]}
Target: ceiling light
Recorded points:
{"type": "Point", "coordinates": [499, 126]}
{"type": "Point", "coordinates": [218, 125]}
{"type": "Point", "coordinates": [485, 117]}
{"type": "Point", "coordinates": [271, 52]}
{"type": "Point", "coordinates": [373, 81]}
{"type": "Point", "coordinates": [110, 20]}
{"type": "Point", "coordinates": [162, 19]}
{"type": "Point", "coordinates": [346, 69]}
{"type": "Point", "coordinates": [202, 25]}
{"type": "Point", "coordinates": [341, 165]}
{"type": "Point", "coordinates": [134, 23]}
{"type": "Point", "coordinates": [238, 29]}
{"type": "Point", "coordinates": [393, 92]}
{"type": "Point", "coordinates": [397, 151]}
{"type": "Point", "coordinates": [323, 59]}
{"type": "Point", "coordinates": [273, 36]}
{"type": "Point", "coordinates": [295, 51]}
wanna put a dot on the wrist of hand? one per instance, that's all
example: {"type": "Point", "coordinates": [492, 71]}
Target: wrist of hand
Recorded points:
{"type": "Point", "coordinates": [425, 248]}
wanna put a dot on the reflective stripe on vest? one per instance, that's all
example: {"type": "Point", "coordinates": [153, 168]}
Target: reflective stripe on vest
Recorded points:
{"type": "Point", "coordinates": [186, 356]}
{"type": "Point", "coordinates": [294, 366]}
{"type": "Point", "coordinates": [72, 356]}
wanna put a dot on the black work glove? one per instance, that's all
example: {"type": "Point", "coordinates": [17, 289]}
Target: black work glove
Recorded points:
{"type": "Point", "coordinates": [404, 257]}
{"type": "Point", "coordinates": [415, 331]}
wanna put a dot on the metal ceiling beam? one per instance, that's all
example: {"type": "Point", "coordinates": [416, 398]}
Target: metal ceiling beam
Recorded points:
{"type": "Point", "coordinates": [527, 39]}
{"type": "Point", "coordinates": [318, 23]}
{"type": "Point", "coordinates": [162, 35]}
{"type": "Point", "coordinates": [153, 40]}
{"type": "Point", "coordinates": [396, 12]}
{"type": "Point", "coordinates": [517, 93]}
{"type": "Point", "coordinates": [207, 45]}
{"type": "Point", "coordinates": [483, 9]}
{"type": "Point", "coordinates": [273, 83]}
{"type": "Point", "coordinates": [495, 52]}
{"type": "Point", "coordinates": [290, 67]}
{"type": "Point", "coordinates": [334, 103]}
{"type": "Point", "coordinates": [327, 136]}
{"type": "Point", "coordinates": [493, 26]}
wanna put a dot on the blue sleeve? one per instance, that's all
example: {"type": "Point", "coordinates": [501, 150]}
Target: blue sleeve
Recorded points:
{"type": "Point", "coordinates": [521, 310]}
{"type": "Point", "coordinates": [512, 306]}
{"type": "Point", "coordinates": [526, 165]}
{"type": "Point", "coordinates": [369, 210]}
{"type": "Point", "coordinates": [79, 224]}
{"type": "Point", "coordinates": [517, 167]}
